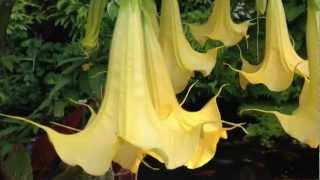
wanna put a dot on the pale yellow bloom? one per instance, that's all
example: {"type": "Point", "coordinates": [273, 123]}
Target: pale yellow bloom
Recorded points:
{"type": "Point", "coordinates": [170, 134]}
{"type": "Point", "coordinates": [220, 26]}
{"type": "Point", "coordinates": [280, 60]}
{"type": "Point", "coordinates": [182, 61]}
{"type": "Point", "coordinates": [304, 123]}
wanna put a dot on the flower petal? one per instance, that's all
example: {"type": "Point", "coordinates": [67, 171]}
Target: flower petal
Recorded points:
{"type": "Point", "coordinates": [180, 58]}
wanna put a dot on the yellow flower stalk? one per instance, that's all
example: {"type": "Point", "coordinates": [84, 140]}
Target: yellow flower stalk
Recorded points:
{"type": "Point", "coordinates": [261, 6]}
{"type": "Point", "coordinates": [139, 113]}
{"type": "Point", "coordinates": [94, 20]}
{"type": "Point", "coordinates": [220, 26]}
{"type": "Point", "coordinates": [304, 123]}
{"type": "Point", "coordinates": [280, 60]}
{"type": "Point", "coordinates": [181, 59]}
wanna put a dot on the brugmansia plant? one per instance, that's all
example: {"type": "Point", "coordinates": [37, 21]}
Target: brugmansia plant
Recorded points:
{"type": "Point", "coordinates": [139, 95]}
{"type": "Point", "coordinates": [149, 62]}
{"type": "Point", "coordinates": [280, 58]}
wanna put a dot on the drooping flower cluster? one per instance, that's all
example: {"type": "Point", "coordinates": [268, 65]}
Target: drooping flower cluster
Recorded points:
{"type": "Point", "coordinates": [304, 123]}
{"type": "Point", "coordinates": [140, 114]}
{"type": "Point", "coordinates": [150, 62]}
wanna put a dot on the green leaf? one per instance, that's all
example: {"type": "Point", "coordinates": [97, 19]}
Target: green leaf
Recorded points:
{"type": "Point", "coordinates": [294, 10]}
{"type": "Point", "coordinates": [18, 165]}
{"type": "Point", "coordinates": [8, 62]}
{"type": "Point", "coordinates": [72, 67]}
{"type": "Point", "coordinates": [61, 84]}
{"type": "Point", "coordinates": [5, 148]}
{"type": "Point", "coordinates": [8, 131]}
{"type": "Point", "coordinates": [112, 9]}
{"type": "Point", "coordinates": [70, 60]}
{"type": "Point", "coordinates": [59, 107]}
{"type": "Point", "coordinates": [96, 77]}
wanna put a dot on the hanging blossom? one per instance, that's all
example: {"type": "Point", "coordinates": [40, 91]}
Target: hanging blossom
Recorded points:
{"type": "Point", "coordinates": [220, 26]}
{"type": "Point", "coordinates": [139, 114]}
{"type": "Point", "coordinates": [304, 123]}
{"type": "Point", "coordinates": [182, 61]}
{"type": "Point", "coordinates": [92, 27]}
{"type": "Point", "coordinates": [280, 60]}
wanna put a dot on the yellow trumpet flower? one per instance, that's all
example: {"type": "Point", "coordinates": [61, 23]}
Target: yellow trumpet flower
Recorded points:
{"type": "Point", "coordinates": [94, 20]}
{"type": "Point", "coordinates": [139, 113]}
{"type": "Point", "coordinates": [280, 59]}
{"type": "Point", "coordinates": [170, 134]}
{"type": "Point", "coordinates": [304, 123]}
{"type": "Point", "coordinates": [180, 58]}
{"type": "Point", "coordinates": [220, 26]}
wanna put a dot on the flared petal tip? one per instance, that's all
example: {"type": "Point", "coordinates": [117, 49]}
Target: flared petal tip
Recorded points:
{"type": "Point", "coordinates": [313, 142]}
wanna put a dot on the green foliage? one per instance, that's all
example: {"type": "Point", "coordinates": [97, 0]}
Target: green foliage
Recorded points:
{"type": "Point", "coordinates": [18, 165]}
{"type": "Point", "coordinates": [265, 127]}
{"type": "Point", "coordinates": [24, 14]}
{"type": "Point", "coordinates": [71, 15]}
{"type": "Point", "coordinates": [39, 78]}
{"type": "Point", "coordinates": [294, 9]}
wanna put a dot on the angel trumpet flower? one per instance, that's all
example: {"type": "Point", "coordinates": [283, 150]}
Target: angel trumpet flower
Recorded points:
{"type": "Point", "coordinates": [180, 58]}
{"type": "Point", "coordinates": [280, 59]}
{"type": "Point", "coordinates": [94, 20]}
{"type": "Point", "coordinates": [304, 123]}
{"type": "Point", "coordinates": [139, 113]}
{"type": "Point", "coordinates": [220, 26]}
{"type": "Point", "coordinates": [166, 126]}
